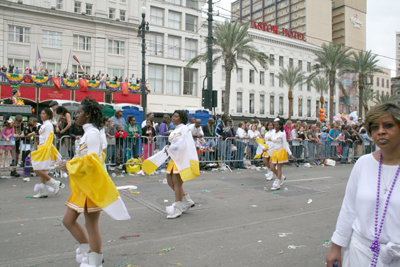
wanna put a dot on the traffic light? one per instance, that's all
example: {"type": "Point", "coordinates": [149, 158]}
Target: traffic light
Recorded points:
{"type": "Point", "coordinates": [214, 98]}
{"type": "Point", "coordinates": [205, 99]}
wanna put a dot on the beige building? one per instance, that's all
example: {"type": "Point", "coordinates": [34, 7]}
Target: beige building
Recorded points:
{"type": "Point", "coordinates": [382, 83]}
{"type": "Point", "coordinates": [348, 23]}
{"type": "Point", "coordinates": [397, 54]}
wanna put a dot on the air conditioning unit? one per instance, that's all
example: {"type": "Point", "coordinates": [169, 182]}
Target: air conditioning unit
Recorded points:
{"type": "Point", "coordinates": [83, 13]}
{"type": "Point", "coordinates": [117, 19]}
{"type": "Point", "coordinates": [53, 7]}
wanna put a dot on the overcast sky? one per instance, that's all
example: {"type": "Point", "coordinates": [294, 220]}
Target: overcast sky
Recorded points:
{"type": "Point", "coordinates": [383, 20]}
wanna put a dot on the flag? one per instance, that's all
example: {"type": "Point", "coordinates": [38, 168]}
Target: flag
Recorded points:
{"type": "Point", "coordinates": [83, 85]}
{"type": "Point", "coordinates": [40, 60]}
{"type": "Point", "coordinates": [79, 63]}
{"type": "Point", "coordinates": [56, 82]}
{"type": "Point", "coordinates": [125, 89]}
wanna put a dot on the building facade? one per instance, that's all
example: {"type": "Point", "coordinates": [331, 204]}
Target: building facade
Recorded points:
{"type": "Point", "coordinates": [397, 54]}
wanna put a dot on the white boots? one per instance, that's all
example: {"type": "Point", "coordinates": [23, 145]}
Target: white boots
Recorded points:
{"type": "Point", "coordinates": [81, 252]}
{"type": "Point", "coordinates": [269, 175]}
{"type": "Point", "coordinates": [187, 203]}
{"type": "Point", "coordinates": [52, 186]}
{"type": "Point", "coordinates": [177, 210]}
{"type": "Point", "coordinates": [42, 191]}
{"type": "Point", "coordinates": [56, 185]}
{"type": "Point", "coordinates": [92, 259]}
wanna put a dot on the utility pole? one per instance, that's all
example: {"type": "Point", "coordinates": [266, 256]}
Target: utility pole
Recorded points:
{"type": "Point", "coordinates": [143, 28]}
{"type": "Point", "coordinates": [210, 57]}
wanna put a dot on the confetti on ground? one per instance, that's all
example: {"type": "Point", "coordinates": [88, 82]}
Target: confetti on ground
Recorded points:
{"type": "Point", "coordinates": [219, 197]}
{"type": "Point", "coordinates": [126, 236]}
{"type": "Point", "coordinates": [254, 206]}
{"type": "Point", "coordinates": [60, 219]}
{"type": "Point", "coordinates": [166, 249]}
{"type": "Point", "coordinates": [178, 264]}
{"type": "Point", "coordinates": [131, 182]}
{"type": "Point", "coordinates": [135, 192]}
{"type": "Point", "coordinates": [207, 191]}
{"type": "Point", "coordinates": [126, 264]}
{"type": "Point", "coordinates": [284, 234]}
{"type": "Point", "coordinates": [306, 175]}
{"type": "Point", "coordinates": [281, 252]}
{"type": "Point", "coordinates": [14, 185]}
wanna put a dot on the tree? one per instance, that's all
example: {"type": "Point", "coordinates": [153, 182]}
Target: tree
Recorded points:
{"type": "Point", "coordinates": [321, 86]}
{"type": "Point", "coordinates": [368, 96]}
{"type": "Point", "coordinates": [231, 44]}
{"type": "Point", "coordinates": [363, 63]}
{"type": "Point", "coordinates": [291, 77]}
{"type": "Point", "coordinates": [330, 59]}
{"type": "Point", "coordinates": [385, 98]}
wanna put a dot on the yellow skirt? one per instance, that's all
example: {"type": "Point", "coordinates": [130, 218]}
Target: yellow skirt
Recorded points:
{"type": "Point", "coordinates": [265, 155]}
{"type": "Point", "coordinates": [78, 201]}
{"type": "Point", "coordinates": [171, 168]}
{"type": "Point", "coordinates": [279, 156]}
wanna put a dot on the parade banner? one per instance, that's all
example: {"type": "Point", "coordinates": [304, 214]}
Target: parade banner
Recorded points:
{"type": "Point", "coordinates": [131, 99]}
{"type": "Point", "coordinates": [39, 80]}
{"type": "Point", "coordinates": [56, 82]}
{"type": "Point", "coordinates": [83, 85]}
{"type": "Point", "coordinates": [13, 79]}
{"type": "Point", "coordinates": [28, 93]}
{"type": "Point", "coordinates": [69, 83]}
{"type": "Point", "coordinates": [125, 89]}
{"type": "Point", "coordinates": [79, 95]}
{"type": "Point", "coordinates": [51, 94]}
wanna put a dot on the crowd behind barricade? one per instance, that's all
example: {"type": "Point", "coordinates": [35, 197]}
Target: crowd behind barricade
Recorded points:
{"type": "Point", "coordinates": [218, 142]}
{"type": "Point", "coordinates": [73, 76]}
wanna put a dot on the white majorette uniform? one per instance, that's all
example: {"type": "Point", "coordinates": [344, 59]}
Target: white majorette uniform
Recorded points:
{"type": "Point", "coordinates": [356, 222]}
{"type": "Point", "coordinates": [280, 148]}
{"type": "Point", "coordinates": [91, 186]}
{"type": "Point", "coordinates": [270, 144]}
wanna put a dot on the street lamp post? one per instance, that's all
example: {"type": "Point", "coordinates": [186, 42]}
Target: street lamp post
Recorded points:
{"type": "Point", "coordinates": [143, 28]}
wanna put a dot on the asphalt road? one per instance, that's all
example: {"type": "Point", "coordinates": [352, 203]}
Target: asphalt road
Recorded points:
{"type": "Point", "coordinates": [236, 222]}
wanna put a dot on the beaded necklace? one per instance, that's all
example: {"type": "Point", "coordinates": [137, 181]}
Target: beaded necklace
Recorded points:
{"type": "Point", "coordinates": [375, 245]}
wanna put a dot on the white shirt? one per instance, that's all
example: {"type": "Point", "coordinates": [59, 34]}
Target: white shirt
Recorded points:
{"type": "Point", "coordinates": [268, 134]}
{"type": "Point", "coordinates": [279, 141]}
{"type": "Point", "coordinates": [195, 130]}
{"type": "Point", "coordinates": [90, 141]}
{"type": "Point", "coordinates": [254, 134]}
{"type": "Point", "coordinates": [241, 133]}
{"type": "Point", "coordinates": [103, 139]}
{"type": "Point", "coordinates": [358, 209]}
{"type": "Point", "coordinates": [45, 131]}
{"type": "Point", "coordinates": [293, 134]}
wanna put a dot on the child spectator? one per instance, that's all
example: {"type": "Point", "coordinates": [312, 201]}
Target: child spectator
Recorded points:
{"type": "Point", "coordinates": [7, 134]}
{"type": "Point", "coordinates": [27, 132]}
{"type": "Point", "coordinates": [149, 132]}
{"type": "Point", "coordinates": [120, 135]}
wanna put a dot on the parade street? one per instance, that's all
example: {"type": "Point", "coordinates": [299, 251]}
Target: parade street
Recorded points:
{"type": "Point", "coordinates": [237, 221]}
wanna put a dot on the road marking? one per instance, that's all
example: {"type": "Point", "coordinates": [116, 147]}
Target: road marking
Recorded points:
{"type": "Point", "coordinates": [310, 179]}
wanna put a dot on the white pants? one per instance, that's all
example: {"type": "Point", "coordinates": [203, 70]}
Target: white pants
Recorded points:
{"type": "Point", "coordinates": [359, 254]}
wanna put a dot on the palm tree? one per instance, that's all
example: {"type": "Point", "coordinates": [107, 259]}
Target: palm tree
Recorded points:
{"type": "Point", "coordinates": [363, 63]}
{"type": "Point", "coordinates": [231, 44]}
{"type": "Point", "coordinates": [385, 98]}
{"type": "Point", "coordinates": [368, 96]}
{"type": "Point", "coordinates": [330, 59]}
{"type": "Point", "coordinates": [321, 86]}
{"type": "Point", "coordinates": [291, 77]}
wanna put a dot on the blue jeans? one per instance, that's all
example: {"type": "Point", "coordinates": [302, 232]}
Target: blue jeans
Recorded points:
{"type": "Point", "coordinates": [225, 150]}
{"type": "Point", "coordinates": [211, 145]}
{"type": "Point", "coordinates": [311, 151]}
{"type": "Point", "coordinates": [132, 148]}
{"type": "Point", "coordinates": [240, 154]}
{"type": "Point", "coordinates": [345, 151]}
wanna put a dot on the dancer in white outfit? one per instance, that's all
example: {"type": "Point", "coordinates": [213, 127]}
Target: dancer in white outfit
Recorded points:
{"type": "Point", "coordinates": [268, 153]}
{"type": "Point", "coordinates": [279, 154]}
{"type": "Point", "coordinates": [368, 224]}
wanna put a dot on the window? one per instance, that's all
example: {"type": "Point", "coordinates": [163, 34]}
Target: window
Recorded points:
{"type": "Point", "coordinates": [21, 64]}
{"type": "Point", "coordinates": [77, 7]}
{"type": "Point", "coordinates": [89, 9]}
{"type": "Point", "coordinates": [123, 1]}
{"type": "Point", "coordinates": [377, 81]}
{"type": "Point", "coordinates": [300, 65]}
{"type": "Point", "coordinates": [156, 77]}
{"type": "Point", "coordinates": [258, 7]}
{"type": "Point", "coordinates": [59, 4]}
{"type": "Point", "coordinates": [246, 3]}
{"type": "Point", "coordinates": [271, 105]}
{"type": "Point", "coordinates": [239, 108]}
{"type": "Point", "coordinates": [309, 87]}
{"type": "Point", "coordinates": [176, 2]}
{"type": "Point", "coordinates": [272, 59]}
{"type": "Point", "coordinates": [300, 111]}
{"type": "Point", "coordinates": [280, 61]}
{"type": "Point", "coordinates": [156, 16]}
{"type": "Point", "coordinates": [122, 15]}
{"type": "Point", "coordinates": [190, 49]}
{"type": "Point", "coordinates": [111, 13]}
{"type": "Point", "coordinates": [51, 38]}
{"type": "Point", "coordinates": [316, 108]}
{"type": "Point", "coordinates": [189, 81]}
{"type": "Point", "coordinates": [303, 19]}
{"type": "Point", "coordinates": [308, 107]}
{"type": "Point", "coordinates": [262, 104]}
{"type": "Point", "coordinates": [269, 2]}
{"type": "Point", "coordinates": [77, 69]}
{"type": "Point", "coordinates": [223, 73]}
{"type": "Point", "coordinates": [82, 42]}
{"type": "Point", "coordinates": [247, 11]}
{"type": "Point", "coordinates": [308, 66]}
{"type": "Point", "coordinates": [174, 20]}
{"type": "Point", "coordinates": [191, 23]}
{"type": "Point", "coordinates": [156, 44]}
{"type": "Point", "coordinates": [251, 103]}
{"type": "Point", "coordinates": [387, 83]}
{"type": "Point", "coordinates": [191, 3]}
{"type": "Point", "coordinates": [251, 76]}
{"type": "Point", "coordinates": [280, 81]}
{"type": "Point", "coordinates": [222, 98]}
{"type": "Point", "coordinates": [174, 46]}
{"type": "Point", "coordinates": [173, 80]}
{"type": "Point", "coordinates": [55, 67]}
{"type": "Point", "coordinates": [281, 105]}
{"type": "Point", "coordinates": [291, 62]}
{"type": "Point", "coordinates": [301, 87]}
{"type": "Point", "coordinates": [271, 79]}
{"type": "Point", "coordinates": [18, 34]}
{"type": "Point", "coordinates": [115, 72]}
{"type": "Point", "coordinates": [262, 77]}
{"type": "Point", "coordinates": [116, 47]}
{"type": "Point", "coordinates": [239, 75]}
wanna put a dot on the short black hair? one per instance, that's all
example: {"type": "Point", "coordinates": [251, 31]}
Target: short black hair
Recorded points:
{"type": "Point", "coordinates": [48, 112]}
{"type": "Point", "coordinates": [18, 118]}
{"type": "Point", "coordinates": [130, 117]}
{"type": "Point", "coordinates": [94, 110]}
{"type": "Point", "coordinates": [183, 115]}
{"type": "Point", "coordinates": [105, 118]}
{"type": "Point", "coordinates": [61, 110]}
{"type": "Point", "coordinates": [281, 122]}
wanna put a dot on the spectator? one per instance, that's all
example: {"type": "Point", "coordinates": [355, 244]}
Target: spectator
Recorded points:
{"type": "Point", "coordinates": [367, 139]}
{"type": "Point", "coordinates": [253, 135]}
{"type": "Point", "coordinates": [120, 79]}
{"type": "Point", "coordinates": [223, 131]}
{"type": "Point", "coordinates": [53, 106]}
{"type": "Point", "coordinates": [11, 68]}
{"type": "Point", "coordinates": [117, 119]}
{"type": "Point", "coordinates": [242, 141]}
{"type": "Point", "coordinates": [63, 128]}
{"type": "Point", "coordinates": [28, 132]}
{"type": "Point", "coordinates": [332, 136]}
{"type": "Point", "coordinates": [192, 120]}
{"type": "Point", "coordinates": [294, 136]}
{"type": "Point", "coordinates": [17, 123]}
{"type": "Point", "coordinates": [107, 78]}
{"type": "Point", "coordinates": [4, 69]}
{"type": "Point", "coordinates": [323, 136]}
{"type": "Point", "coordinates": [288, 129]}
{"type": "Point", "coordinates": [134, 133]}
{"type": "Point", "coordinates": [120, 135]}
{"type": "Point", "coordinates": [209, 133]}
{"type": "Point", "coordinates": [76, 132]}
{"type": "Point", "coordinates": [150, 116]}
{"type": "Point", "coordinates": [171, 126]}
{"type": "Point", "coordinates": [164, 132]}
{"type": "Point", "coordinates": [312, 141]}
{"type": "Point", "coordinates": [109, 131]}
{"type": "Point", "coordinates": [17, 71]}
{"type": "Point", "coordinates": [197, 131]}
{"type": "Point", "coordinates": [149, 132]}
{"type": "Point", "coordinates": [7, 134]}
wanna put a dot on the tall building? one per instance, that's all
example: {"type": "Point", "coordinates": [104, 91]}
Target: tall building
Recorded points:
{"type": "Point", "coordinates": [397, 54]}
{"type": "Point", "coordinates": [348, 23]}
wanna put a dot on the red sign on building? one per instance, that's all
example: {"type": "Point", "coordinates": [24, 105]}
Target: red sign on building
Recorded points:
{"type": "Point", "coordinates": [79, 96]}
{"type": "Point", "coordinates": [28, 93]}
{"type": "Point", "coordinates": [54, 94]}
{"type": "Point", "coordinates": [131, 98]}
{"type": "Point", "coordinates": [262, 26]}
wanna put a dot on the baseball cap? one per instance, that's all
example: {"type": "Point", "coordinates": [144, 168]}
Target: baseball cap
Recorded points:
{"type": "Point", "coordinates": [119, 109]}
{"type": "Point", "coordinates": [53, 103]}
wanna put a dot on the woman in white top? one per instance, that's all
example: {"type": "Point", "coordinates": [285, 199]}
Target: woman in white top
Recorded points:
{"type": "Point", "coordinates": [368, 223]}
{"type": "Point", "coordinates": [268, 153]}
{"type": "Point", "coordinates": [242, 139]}
{"type": "Point", "coordinates": [280, 151]}
{"type": "Point", "coordinates": [41, 164]}
{"type": "Point", "coordinates": [253, 135]}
